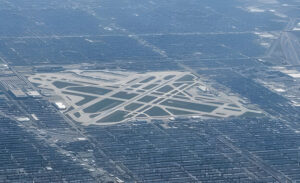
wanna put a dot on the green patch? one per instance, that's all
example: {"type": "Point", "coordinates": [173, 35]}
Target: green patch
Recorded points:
{"type": "Point", "coordinates": [77, 114]}
{"type": "Point", "coordinates": [177, 84]}
{"type": "Point", "coordinates": [124, 95]}
{"type": "Point", "coordinates": [93, 115]}
{"type": "Point", "coordinates": [90, 89]}
{"type": "Point", "coordinates": [217, 103]}
{"type": "Point", "coordinates": [180, 94]}
{"type": "Point", "coordinates": [86, 98]}
{"type": "Point", "coordinates": [150, 86]}
{"type": "Point", "coordinates": [158, 100]}
{"type": "Point", "coordinates": [133, 106]}
{"type": "Point", "coordinates": [141, 91]}
{"type": "Point", "coordinates": [70, 109]}
{"type": "Point", "coordinates": [165, 89]}
{"type": "Point", "coordinates": [183, 87]}
{"type": "Point", "coordinates": [252, 115]}
{"type": "Point", "coordinates": [156, 93]}
{"type": "Point", "coordinates": [62, 84]}
{"type": "Point", "coordinates": [204, 98]}
{"type": "Point", "coordinates": [131, 80]}
{"type": "Point", "coordinates": [230, 109]}
{"type": "Point", "coordinates": [128, 116]}
{"type": "Point", "coordinates": [141, 116]}
{"type": "Point", "coordinates": [148, 79]}
{"type": "Point", "coordinates": [36, 84]}
{"type": "Point", "coordinates": [144, 108]}
{"type": "Point", "coordinates": [115, 87]}
{"type": "Point", "coordinates": [211, 116]}
{"type": "Point", "coordinates": [189, 105]}
{"type": "Point", "coordinates": [179, 112]}
{"type": "Point", "coordinates": [186, 78]}
{"type": "Point", "coordinates": [147, 98]}
{"type": "Point", "coordinates": [233, 105]}
{"type": "Point", "coordinates": [135, 86]}
{"type": "Point", "coordinates": [169, 77]}
{"type": "Point", "coordinates": [84, 82]}
{"type": "Point", "coordinates": [156, 111]}
{"type": "Point", "coordinates": [181, 97]}
{"type": "Point", "coordinates": [174, 92]}
{"type": "Point", "coordinates": [102, 105]}
{"type": "Point", "coordinates": [114, 117]}
{"type": "Point", "coordinates": [187, 93]}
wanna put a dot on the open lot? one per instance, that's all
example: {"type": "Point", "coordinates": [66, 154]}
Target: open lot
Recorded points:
{"type": "Point", "coordinates": [113, 96]}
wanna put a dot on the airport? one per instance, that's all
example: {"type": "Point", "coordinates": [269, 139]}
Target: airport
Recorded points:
{"type": "Point", "coordinates": [110, 97]}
